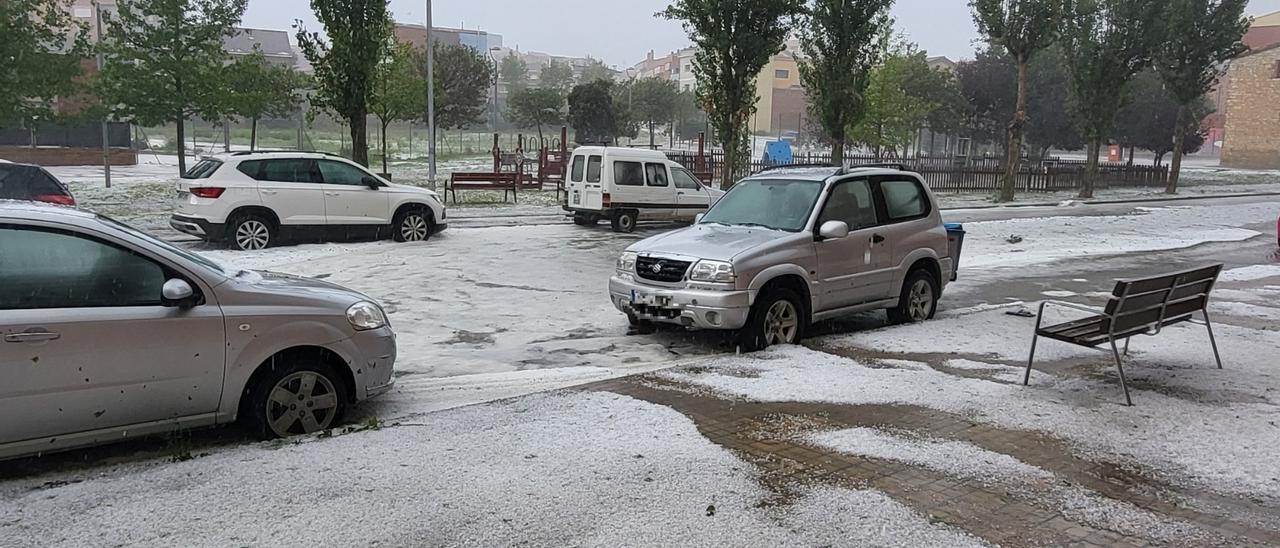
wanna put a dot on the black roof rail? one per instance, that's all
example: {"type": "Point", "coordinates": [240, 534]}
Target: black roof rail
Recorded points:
{"type": "Point", "coordinates": [794, 166]}
{"type": "Point", "coordinates": [887, 165]}
{"type": "Point", "coordinates": [284, 151]}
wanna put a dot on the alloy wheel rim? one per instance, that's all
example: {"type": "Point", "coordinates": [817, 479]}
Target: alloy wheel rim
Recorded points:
{"type": "Point", "coordinates": [920, 302]}
{"type": "Point", "coordinates": [251, 235]}
{"type": "Point", "coordinates": [781, 323]}
{"type": "Point", "coordinates": [302, 403]}
{"type": "Point", "coordinates": [414, 228]}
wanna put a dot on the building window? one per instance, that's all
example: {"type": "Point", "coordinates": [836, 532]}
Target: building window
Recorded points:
{"type": "Point", "coordinates": [782, 74]}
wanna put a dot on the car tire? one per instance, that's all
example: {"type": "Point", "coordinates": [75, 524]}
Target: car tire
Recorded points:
{"type": "Point", "coordinates": [777, 317]}
{"type": "Point", "coordinates": [251, 232]}
{"type": "Point", "coordinates": [625, 222]}
{"type": "Point", "coordinates": [267, 416]}
{"type": "Point", "coordinates": [412, 225]}
{"type": "Point", "coordinates": [919, 299]}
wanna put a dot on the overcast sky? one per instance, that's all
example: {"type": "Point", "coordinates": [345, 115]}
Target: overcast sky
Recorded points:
{"type": "Point", "coordinates": [622, 31]}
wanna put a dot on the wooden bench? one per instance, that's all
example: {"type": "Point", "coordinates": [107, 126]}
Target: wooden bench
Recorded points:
{"type": "Point", "coordinates": [1140, 306]}
{"type": "Point", "coordinates": [507, 182]}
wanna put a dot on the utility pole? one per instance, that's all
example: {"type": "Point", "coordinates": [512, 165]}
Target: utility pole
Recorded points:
{"type": "Point", "coordinates": [431, 102]}
{"type": "Point", "coordinates": [106, 142]}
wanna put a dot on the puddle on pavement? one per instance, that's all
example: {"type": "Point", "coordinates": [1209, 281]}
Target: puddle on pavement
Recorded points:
{"type": "Point", "coordinates": [772, 436]}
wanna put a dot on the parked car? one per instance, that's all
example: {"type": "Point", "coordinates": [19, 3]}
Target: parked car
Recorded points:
{"type": "Point", "coordinates": [250, 200]}
{"type": "Point", "coordinates": [32, 183]}
{"type": "Point", "coordinates": [626, 185]}
{"type": "Point", "coordinates": [111, 334]}
{"type": "Point", "coordinates": [790, 247]}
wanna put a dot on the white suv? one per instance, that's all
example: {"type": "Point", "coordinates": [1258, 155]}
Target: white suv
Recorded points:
{"type": "Point", "coordinates": [251, 199]}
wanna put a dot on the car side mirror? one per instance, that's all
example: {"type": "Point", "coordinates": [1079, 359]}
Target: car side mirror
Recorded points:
{"type": "Point", "coordinates": [370, 182]}
{"type": "Point", "coordinates": [177, 292]}
{"type": "Point", "coordinates": [833, 230]}
{"type": "Point", "coordinates": [698, 218]}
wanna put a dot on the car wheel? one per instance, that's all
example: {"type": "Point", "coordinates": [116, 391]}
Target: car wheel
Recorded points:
{"type": "Point", "coordinates": [412, 226]}
{"type": "Point", "coordinates": [624, 221]}
{"type": "Point", "coordinates": [776, 318]}
{"type": "Point", "coordinates": [301, 397]}
{"type": "Point", "coordinates": [250, 231]}
{"type": "Point", "coordinates": [919, 299]}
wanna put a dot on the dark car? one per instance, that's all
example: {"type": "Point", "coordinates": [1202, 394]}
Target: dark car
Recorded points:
{"type": "Point", "coordinates": [32, 183]}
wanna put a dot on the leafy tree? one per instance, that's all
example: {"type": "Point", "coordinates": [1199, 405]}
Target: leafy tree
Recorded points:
{"type": "Point", "coordinates": [1047, 104]}
{"type": "Point", "coordinates": [690, 119]}
{"type": "Point", "coordinates": [557, 75]}
{"type": "Point", "coordinates": [1150, 119]}
{"type": "Point", "coordinates": [654, 100]}
{"type": "Point", "coordinates": [936, 89]}
{"type": "Point", "coordinates": [1197, 37]}
{"type": "Point", "coordinates": [358, 36]}
{"type": "Point", "coordinates": [591, 112]}
{"type": "Point", "coordinates": [735, 39]}
{"type": "Point", "coordinates": [841, 42]}
{"type": "Point", "coordinates": [596, 70]}
{"type": "Point", "coordinates": [989, 86]}
{"type": "Point", "coordinates": [1106, 43]}
{"type": "Point", "coordinates": [164, 61]}
{"type": "Point", "coordinates": [39, 59]}
{"type": "Point", "coordinates": [892, 115]}
{"type": "Point", "coordinates": [536, 107]}
{"type": "Point", "coordinates": [513, 72]}
{"type": "Point", "coordinates": [626, 123]}
{"type": "Point", "coordinates": [1022, 28]}
{"type": "Point", "coordinates": [462, 80]}
{"type": "Point", "coordinates": [398, 90]}
{"type": "Point", "coordinates": [260, 89]}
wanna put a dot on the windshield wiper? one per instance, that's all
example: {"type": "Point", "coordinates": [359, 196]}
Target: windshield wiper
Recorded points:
{"type": "Point", "coordinates": [757, 225]}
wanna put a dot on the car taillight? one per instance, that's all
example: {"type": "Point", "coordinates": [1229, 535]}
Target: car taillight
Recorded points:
{"type": "Point", "coordinates": [60, 199]}
{"type": "Point", "coordinates": [604, 200]}
{"type": "Point", "coordinates": [208, 191]}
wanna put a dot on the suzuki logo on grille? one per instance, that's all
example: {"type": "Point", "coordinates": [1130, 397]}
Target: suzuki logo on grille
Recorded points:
{"type": "Point", "coordinates": [657, 267]}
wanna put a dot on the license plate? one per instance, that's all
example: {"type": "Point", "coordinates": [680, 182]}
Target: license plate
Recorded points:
{"type": "Point", "coordinates": [651, 300]}
{"type": "Point", "coordinates": [182, 194]}
{"type": "Point", "coordinates": [577, 198]}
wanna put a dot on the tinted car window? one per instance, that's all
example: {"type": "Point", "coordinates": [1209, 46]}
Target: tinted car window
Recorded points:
{"type": "Point", "coordinates": [904, 199]}
{"type": "Point", "coordinates": [203, 170]}
{"type": "Point", "coordinates": [252, 168]}
{"type": "Point", "coordinates": [684, 179]}
{"type": "Point", "coordinates": [575, 174]}
{"type": "Point", "coordinates": [54, 269]}
{"type": "Point", "coordinates": [593, 169]}
{"type": "Point", "coordinates": [290, 170]}
{"type": "Point", "coordinates": [628, 174]}
{"type": "Point", "coordinates": [850, 202]}
{"type": "Point", "coordinates": [20, 182]}
{"type": "Point", "coordinates": [655, 174]}
{"type": "Point", "coordinates": [338, 173]}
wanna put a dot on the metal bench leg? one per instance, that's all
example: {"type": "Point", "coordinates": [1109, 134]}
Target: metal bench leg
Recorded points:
{"type": "Point", "coordinates": [1026, 377]}
{"type": "Point", "coordinates": [1212, 342]}
{"type": "Point", "coordinates": [1120, 366]}
{"type": "Point", "coordinates": [1126, 346]}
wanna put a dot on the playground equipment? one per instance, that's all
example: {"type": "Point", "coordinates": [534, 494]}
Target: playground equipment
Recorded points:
{"type": "Point", "coordinates": [514, 171]}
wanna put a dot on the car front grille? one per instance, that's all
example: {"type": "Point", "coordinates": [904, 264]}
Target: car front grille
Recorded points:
{"type": "Point", "coordinates": [661, 270]}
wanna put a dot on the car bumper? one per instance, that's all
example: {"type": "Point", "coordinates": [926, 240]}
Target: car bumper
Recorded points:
{"type": "Point", "coordinates": [441, 227]}
{"type": "Point", "coordinates": [694, 308]}
{"type": "Point", "coordinates": [198, 227]}
{"type": "Point", "coordinates": [374, 366]}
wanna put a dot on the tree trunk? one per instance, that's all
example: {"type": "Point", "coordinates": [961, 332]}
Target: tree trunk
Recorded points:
{"type": "Point", "coordinates": [253, 134]}
{"type": "Point", "coordinates": [1132, 150]}
{"type": "Point", "coordinates": [1009, 185]}
{"type": "Point", "coordinates": [729, 142]}
{"type": "Point", "coordinates": [182, 145]}
{"type": "Point", "coordinates": [359, 137]}
{"type": "Point", "coordinates": [837, 151]}
{"type": "Point", "coordinates": [1179, 144]}
{"type": "Point", "coordinates": [1091, 168]}
{"type": "Point", "coordinates": [384, 145]}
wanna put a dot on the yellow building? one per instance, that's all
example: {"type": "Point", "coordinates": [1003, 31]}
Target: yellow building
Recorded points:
{"type": "Point", "coordinates": [781, 106]}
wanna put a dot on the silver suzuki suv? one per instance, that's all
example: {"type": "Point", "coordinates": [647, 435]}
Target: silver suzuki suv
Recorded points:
{"type": "Point", "coordinates": [109, 333]}
{"type": "Point", "coordinates": [789, 247]}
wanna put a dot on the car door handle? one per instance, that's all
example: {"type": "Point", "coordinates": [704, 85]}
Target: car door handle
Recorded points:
{"type": "Point", "coordinates": [876, 238]}
{"type": "Point", "coordinates": [32, 336]}
{"type": "Point", "coordinates": [331, 194]}
{"type": "Point", "coordinates": [679, 194]}
{"type": "Point", "coordinates": [270, 192]}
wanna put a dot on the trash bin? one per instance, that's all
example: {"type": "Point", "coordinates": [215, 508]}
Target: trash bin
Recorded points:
{"type": "Point", "coordinates": [955, 243]}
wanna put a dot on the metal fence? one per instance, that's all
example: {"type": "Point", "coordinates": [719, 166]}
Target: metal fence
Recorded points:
{"type": "Point", "coordinates": [119, 134]}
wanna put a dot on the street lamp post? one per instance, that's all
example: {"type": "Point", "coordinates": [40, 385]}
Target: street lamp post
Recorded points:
{"type": "Point", "coordinates": [106, 142]}
{"type": "Point", "coordinates": [493, 111]}
{"type": "Point", "coordinates": [431, 102]}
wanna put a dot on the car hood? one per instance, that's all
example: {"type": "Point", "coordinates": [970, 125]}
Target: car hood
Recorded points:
{"type": "Point", "coordinates": [274, 288]}
{"type": "Point", "coordinates": [708, 241]}
{"type": "Point", "coordinates": [409, 189]}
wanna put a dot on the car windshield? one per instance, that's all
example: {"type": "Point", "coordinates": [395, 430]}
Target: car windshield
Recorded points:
{"type": "Point", "coordinates": [778, 204]}
{"type": "Point", "coordinates": [188, 255]}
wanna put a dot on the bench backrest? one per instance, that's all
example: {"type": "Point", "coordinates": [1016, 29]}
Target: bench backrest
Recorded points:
{"type": "Point", "coordinates": [1143, 304]}
{"type": "Point", "coordinates": [469, 177]}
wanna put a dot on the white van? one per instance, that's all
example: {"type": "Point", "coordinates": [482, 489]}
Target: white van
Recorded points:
{"type": "Point", "coordinates": [626, 184]}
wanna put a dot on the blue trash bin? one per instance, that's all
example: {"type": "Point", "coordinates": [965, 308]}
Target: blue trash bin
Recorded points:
{"type": "Point", "coordinates": [955, 243]}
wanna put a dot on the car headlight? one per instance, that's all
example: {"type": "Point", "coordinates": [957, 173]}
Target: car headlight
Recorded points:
{"type": "Point", "coordinates": [365, 315]}
{"type": "Point", "coordinates": [713, 271]}
{"type": "Point", "coordinates": [627, 262]}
